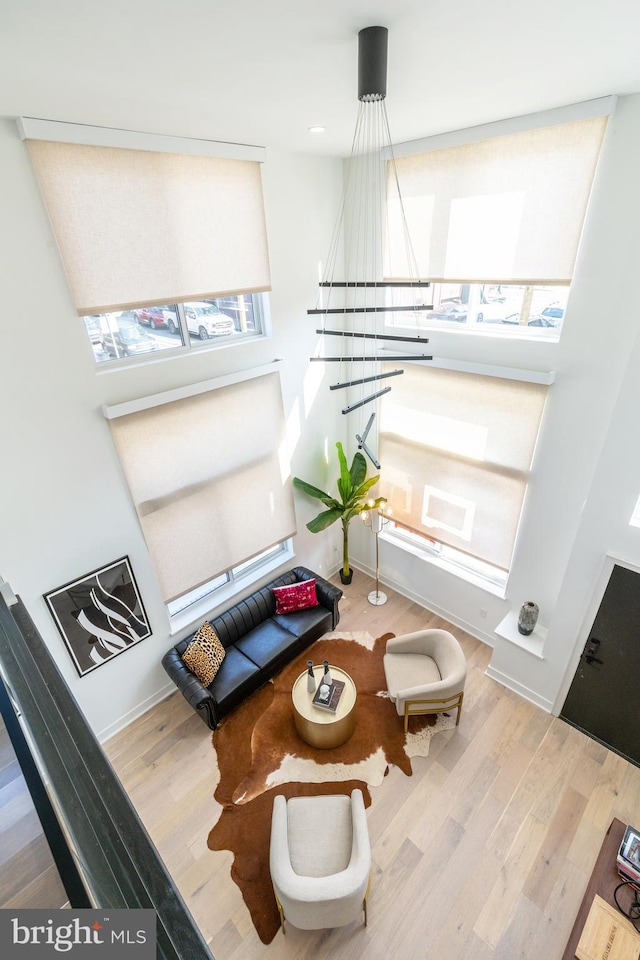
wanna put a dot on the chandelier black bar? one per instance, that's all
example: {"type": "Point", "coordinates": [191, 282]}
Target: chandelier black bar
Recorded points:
{"type": "Point", "coordinates": [369, 310]}
{"type": "Point", "coordinates": [361, 439]}
{"type": "Point", "coordinates": [410, 356]}
{"type": "Point", "coordinates": [361, 403]}
{"type": "Point", "coordinates": [362, 446]}
{"type": "Point", "coordinates": [403, 284]}
{"type": "Point", "coordinates": [354, 383]}
{"type": "Point", "coordinates": [372, 336]}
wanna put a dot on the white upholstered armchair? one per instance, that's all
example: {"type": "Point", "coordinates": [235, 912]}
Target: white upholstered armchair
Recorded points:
{"type": "Point", "coordinates": [426, 673]}
{"type": "Point", "coordinates": [320, 860]}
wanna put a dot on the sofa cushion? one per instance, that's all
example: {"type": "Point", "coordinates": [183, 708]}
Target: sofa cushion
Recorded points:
{"type": "Point", "coordinates": [296, 596]}
{"type": "Point", "coordinates": [268, 645]}
{"type": "Point", "coordinates": [236, 679]}
{"type": "Point", "coordinates": [314, 621]}
{"type": "Point", "coordinates": [204, 654]}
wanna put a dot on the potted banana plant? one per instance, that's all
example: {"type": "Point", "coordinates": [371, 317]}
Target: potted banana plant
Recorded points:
{"type": "Point", "coordinates": [353, 487]}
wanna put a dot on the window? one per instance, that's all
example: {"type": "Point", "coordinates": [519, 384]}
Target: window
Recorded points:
{"type": "Point", "coordinates": [161, 247]}
{"type": "Point", "coordinates": [494, 224]}
{"type": "Point", "coordinates": [144, 331]}
{"type": "Point", "coordinates": [208, 477]}
{"type": "Point", "coordinates": [486, 574]}
{"type": "Point", "coordinates": [456, 451]}
{"type": "Point", "coordinates": [494, 308]}
{"type": "Point", "coordinates": [225, 585]}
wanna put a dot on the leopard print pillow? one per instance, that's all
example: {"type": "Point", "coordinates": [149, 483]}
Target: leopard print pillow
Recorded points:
{"type": "Point", "coordinates": [205, 654]}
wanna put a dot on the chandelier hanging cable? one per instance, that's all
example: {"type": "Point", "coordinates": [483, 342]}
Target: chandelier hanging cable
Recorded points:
{"type": "Point", "coordinates": [367, 303]}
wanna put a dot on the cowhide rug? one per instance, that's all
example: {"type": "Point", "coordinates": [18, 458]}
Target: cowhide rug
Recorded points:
{"type": "Point", "coordinates": [260, 754]}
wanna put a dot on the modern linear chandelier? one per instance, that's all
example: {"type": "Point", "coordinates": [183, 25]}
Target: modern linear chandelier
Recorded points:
{"type": "Point", "coordinates": [361, 309]}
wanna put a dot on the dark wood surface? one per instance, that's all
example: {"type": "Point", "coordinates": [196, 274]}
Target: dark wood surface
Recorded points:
{"type": "Point", "coordinates": [603, 881]}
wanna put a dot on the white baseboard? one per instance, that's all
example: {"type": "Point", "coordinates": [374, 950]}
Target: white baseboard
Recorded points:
{"type": "Point", "coordinates": [520, 689]}
{"type": "Point", "coordinates": [136, 712]}
{"type": "Point", "coordinates": [433, 608]}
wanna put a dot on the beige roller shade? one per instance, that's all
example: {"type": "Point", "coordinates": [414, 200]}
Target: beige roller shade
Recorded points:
{"type": "Point", "coordinates": [209, 479]}
{"type": "Point", "coordinates": [505, 210]}
{"type": "Point", "coordinates": [456, 450]}
{"type": "Point", "coordinates": [137, 227]}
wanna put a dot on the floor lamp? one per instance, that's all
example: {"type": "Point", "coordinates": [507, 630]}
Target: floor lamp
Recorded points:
{"type": "Point", "coordinates": [376, 518]}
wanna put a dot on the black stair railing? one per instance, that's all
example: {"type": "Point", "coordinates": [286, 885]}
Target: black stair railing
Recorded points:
{"type": "Point", "coordinates": [115, 863]}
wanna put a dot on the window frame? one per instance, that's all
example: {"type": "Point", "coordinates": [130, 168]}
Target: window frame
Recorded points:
{"type": "Point", "coordinates": [446, 556]}
{"type": "Point", "coordinates": [493, 325]}
{"type": "Point", "coordinates": [602, 107]}
{"type": "Point", "coordinates": [189, 344]}
{"type": "Point", "coordinates": [237, 581]}
{"type": "Point", "coordinates": [246, 571]}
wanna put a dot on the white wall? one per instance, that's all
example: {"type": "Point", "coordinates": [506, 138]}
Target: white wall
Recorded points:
{"type": "Point", "coordinates": [586, 473]}
{"type": "Point", "coordinates": [65, 509]}
{"type": "Point", "coordinates": [64, 506]}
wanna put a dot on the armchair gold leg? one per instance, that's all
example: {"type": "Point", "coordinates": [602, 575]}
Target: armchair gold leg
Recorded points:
{"type": "Point", "coordinates": [429, 708]}
{"type": "Point", "coordinates": [281, 912]}
{"type": "Point", "coordinates": [366, 897]}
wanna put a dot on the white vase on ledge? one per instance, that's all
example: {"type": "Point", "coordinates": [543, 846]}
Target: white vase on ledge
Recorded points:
{"type": "Point", "coordinates": [527, 618]}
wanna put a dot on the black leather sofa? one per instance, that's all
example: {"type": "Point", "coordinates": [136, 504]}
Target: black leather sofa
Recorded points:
{"type": "Point", "coordinates": [258, 643]}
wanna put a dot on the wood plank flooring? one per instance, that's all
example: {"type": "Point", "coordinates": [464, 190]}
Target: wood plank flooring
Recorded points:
{"type": "Point", "coordinates": [483, 854]}
{"type": "Point", "coordinates": [28, 875]}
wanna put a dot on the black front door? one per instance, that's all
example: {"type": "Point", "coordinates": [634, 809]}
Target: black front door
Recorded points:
{"type": "Point", "coordinates": [604, 697]}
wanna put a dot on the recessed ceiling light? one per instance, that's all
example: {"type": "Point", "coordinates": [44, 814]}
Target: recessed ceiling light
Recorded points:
{"type": "Point", "coordinates": [317, 129]}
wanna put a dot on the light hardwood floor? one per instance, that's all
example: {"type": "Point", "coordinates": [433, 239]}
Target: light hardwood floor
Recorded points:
{"type": "Point", "coordinates": [28, 874]}
{"type": "Point", "coordinates": [483, 854]}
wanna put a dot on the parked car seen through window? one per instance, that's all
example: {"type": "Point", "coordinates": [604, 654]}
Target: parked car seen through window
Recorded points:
{"type": "Point", "coordinates": [144, 331]}
{"type": "Point", "coordinates": [490, 308]}
{"type": "Point", "coordinates": [128, 339]}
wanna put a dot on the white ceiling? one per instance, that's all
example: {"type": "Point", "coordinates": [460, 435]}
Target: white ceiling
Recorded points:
{"type": "Point", "coordinates": [263, 71]}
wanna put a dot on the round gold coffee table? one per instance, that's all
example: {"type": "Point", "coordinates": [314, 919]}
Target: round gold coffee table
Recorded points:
{"type": "Point", "coordinates": [321, 728]}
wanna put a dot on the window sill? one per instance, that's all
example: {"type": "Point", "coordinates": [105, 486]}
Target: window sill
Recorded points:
{"type": "Point", "coordinates": [197, 613]}
{"type": "Point", "coordinates": [533, 644]}
{"type": "Point", "coordinates": [495, 589]}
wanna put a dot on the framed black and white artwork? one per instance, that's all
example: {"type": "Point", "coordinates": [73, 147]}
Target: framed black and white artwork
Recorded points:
{"type": "Point", "coordinates": [99, 615]}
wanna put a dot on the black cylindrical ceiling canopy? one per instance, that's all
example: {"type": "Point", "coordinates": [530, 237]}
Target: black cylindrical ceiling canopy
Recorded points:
{"type": "Point", "coordinates": [372, 63]}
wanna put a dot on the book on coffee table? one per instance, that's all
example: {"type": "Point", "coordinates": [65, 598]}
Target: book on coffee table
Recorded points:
{"type": "Point", "coordinates": [327, 696]}
{"type": "Point", "coordinates": [607, 933]}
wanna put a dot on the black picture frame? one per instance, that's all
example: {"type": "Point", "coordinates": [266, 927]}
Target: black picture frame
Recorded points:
{"type": "Point", "coordinates": [99, 615]}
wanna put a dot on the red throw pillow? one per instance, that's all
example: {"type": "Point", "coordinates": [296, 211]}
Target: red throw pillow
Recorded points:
{"type": "Point", "coordinates": [297, 596]}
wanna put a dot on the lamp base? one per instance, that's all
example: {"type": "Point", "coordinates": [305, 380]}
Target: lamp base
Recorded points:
{"type": "Point", "coordinates": [377, 598]}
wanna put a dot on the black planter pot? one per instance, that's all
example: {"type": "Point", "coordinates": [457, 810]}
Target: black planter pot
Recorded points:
{"type": "Point", "coordinates": [348, 578]}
